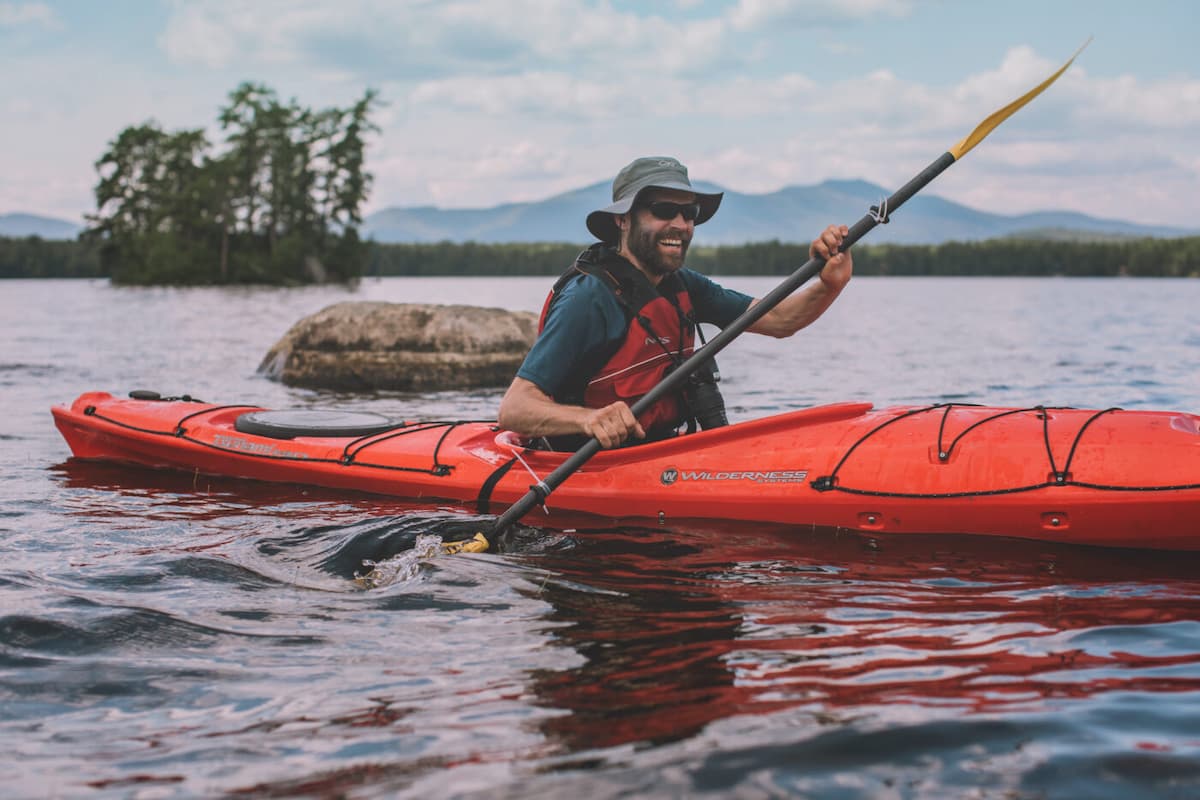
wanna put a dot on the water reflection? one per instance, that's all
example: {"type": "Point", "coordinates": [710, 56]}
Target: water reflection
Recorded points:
{"type": "Point", "coordinates": [680, 630]}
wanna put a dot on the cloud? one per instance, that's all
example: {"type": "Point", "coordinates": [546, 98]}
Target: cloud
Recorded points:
{"type": "Point", "coordinates": [449, 175]}
{"type": "Point", "coordinates": [217, 34]}
{"type": "Point", "coordinates": [1171, 104]}
{"type": "Point", "coordinates": [193, 38]}
{"type": "Point", "coordinates": [541, 94]}
{"type": "Point", "coordinates": [14, 14]}
{"type": "Point", "coordinates": [424, 40]}
{"type": "Point", "coordinates": [876, 98]}
{"type": "Point", "coordinates": [768, 14]}
{"type": "Point", "coordinates": [1019, 70]}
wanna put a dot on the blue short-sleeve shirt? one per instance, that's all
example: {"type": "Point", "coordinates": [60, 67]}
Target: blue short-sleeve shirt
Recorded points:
{"type": "Point", "coordinates": [586, 323]}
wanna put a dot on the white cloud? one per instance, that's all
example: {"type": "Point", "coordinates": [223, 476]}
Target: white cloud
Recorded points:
{"type": "Point", "coordinates": [1172, 104]}
{"type": "Point", "coordinates": [534, 93]}
{"type": "Point", "coordinates": [539, 96]}
{"type": "Point", "coordinates": [442, 39]}
{"type": "Point", "coordinates": [220, 33]}
{"type": "Point", "coordinates": [1020, 69]}
{"type": "Point", "coordinates": [450, 174]}
{"type": "Point", "coordinates": [193, 38]}
{"type": "Point", "coordinates": [520, 165]}
{"type": "Point", "coordinates": [1113, 191]}
{"type": "Point", "coordinates": [765, 14]}
{"type": "Point", "coordinates": [740, 98]}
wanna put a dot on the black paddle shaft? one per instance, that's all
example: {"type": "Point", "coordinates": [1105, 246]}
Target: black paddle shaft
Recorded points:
{"type": "Point", "coordinates": [541, 490]}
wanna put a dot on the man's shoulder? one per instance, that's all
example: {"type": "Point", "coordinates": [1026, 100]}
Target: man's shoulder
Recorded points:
{"type": "Point", "coordinates": [585, 288]}
{"type": "Point", "coordinates": [586, 300]}
{"type": "Point", "coordinates": [693, 280]}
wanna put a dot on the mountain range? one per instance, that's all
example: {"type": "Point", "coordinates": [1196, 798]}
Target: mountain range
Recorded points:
{"type": "Point", "coordinates": [792, 214]}
{"type": "Point", "coordinates": [20, 225]}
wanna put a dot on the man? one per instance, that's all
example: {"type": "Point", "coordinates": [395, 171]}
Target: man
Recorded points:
{"type": "Point", "coordinates": [626, 313]}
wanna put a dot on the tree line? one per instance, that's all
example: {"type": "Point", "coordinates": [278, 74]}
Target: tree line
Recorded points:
{"type": "Point", "coordinates": [32, 257]}
{"type": "Point", "coordinates": [1175, 258]}
{"type": "Point", "coordinates": [279, 204]}
{"type": "Point", "coordinates": [1134, 257]}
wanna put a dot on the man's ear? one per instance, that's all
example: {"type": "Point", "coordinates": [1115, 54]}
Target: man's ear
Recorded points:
{"type": "Point", "coordinates": [622, 221]}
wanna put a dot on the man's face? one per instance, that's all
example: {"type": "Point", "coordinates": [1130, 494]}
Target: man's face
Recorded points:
{"type": "Point", "coordinates": [658, 246]}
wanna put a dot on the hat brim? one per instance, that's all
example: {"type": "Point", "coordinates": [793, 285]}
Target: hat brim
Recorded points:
{"type": "Point", "coordinates": [602, 225]}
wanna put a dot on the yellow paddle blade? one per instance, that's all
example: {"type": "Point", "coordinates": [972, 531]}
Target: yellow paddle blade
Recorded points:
{"type": "Point", "coordinates": [988, 125]}
{"type": "Point", "coordinates": [476, 544]}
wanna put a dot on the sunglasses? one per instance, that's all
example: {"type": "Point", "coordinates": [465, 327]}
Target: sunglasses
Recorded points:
{"type": "Point", "coordinates": [666, 211]}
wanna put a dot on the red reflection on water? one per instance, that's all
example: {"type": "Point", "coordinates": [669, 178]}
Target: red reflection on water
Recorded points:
{"type": "Point", "coordinates": [714, 624]}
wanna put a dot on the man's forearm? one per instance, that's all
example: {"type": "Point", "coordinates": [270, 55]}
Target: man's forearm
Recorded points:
{"type": "Point", "coordinates": [796, 312]}
{"type": "Point", "coordinates": [529, 411]}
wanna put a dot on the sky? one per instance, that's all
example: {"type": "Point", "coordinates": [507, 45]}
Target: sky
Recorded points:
{"type": "Point", "coordinates": [494, 101]}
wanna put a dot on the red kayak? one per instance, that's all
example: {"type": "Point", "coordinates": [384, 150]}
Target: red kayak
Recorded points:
{"type": "Point", "coordinates": [1100, 477]}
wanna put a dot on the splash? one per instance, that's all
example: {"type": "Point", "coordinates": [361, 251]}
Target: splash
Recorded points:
{"type": "Point", "coordinates": [400, 568]}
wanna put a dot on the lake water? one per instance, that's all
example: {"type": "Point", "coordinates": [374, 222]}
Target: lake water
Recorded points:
{"type": "Point", "coordinates": [166, 636]}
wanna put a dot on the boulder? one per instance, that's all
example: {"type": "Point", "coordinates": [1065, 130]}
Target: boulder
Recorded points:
{"type": "Point", "coordinates": [362, 346]}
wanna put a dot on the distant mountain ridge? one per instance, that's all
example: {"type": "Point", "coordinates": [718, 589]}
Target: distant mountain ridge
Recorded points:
{"type": "Point", "coordinates": [791, 214]}
{"type": "Point", "coordinates": [20, 225]}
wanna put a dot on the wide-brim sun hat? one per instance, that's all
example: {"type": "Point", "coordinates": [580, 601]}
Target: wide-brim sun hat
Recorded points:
{"type": "Point", "coordinates": [654, 172]}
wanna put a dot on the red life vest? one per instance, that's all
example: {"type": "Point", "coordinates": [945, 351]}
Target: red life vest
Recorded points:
{"type": "Point", "coordinates": [660, 333]}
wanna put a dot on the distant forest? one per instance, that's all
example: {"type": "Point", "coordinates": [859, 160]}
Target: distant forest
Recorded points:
{"type": "Point", "coordinates": [32, 257]}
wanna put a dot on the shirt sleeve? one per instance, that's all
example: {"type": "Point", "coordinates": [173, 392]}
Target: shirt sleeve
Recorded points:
{"type": "Point", "coordinates": [582, 326]}
{"type": "Point", "coordinates": [712, 302]}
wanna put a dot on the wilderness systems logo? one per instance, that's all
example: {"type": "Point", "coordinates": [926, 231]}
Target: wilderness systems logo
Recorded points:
{"type": "Point", "coordinates": [254, 448]}
{"type": "Point", "coordinates": [671, 475]}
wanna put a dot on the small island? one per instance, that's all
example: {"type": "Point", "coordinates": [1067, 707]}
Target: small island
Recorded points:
{"type": "Point", "coordinates": [279, 204]}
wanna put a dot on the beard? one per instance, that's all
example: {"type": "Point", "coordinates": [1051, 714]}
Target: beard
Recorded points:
{"type": "Point", "coordinates": [643, 246]}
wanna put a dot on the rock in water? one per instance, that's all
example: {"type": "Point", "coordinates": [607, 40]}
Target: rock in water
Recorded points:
{"type": "Point", "coordinates": [361, 346]}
